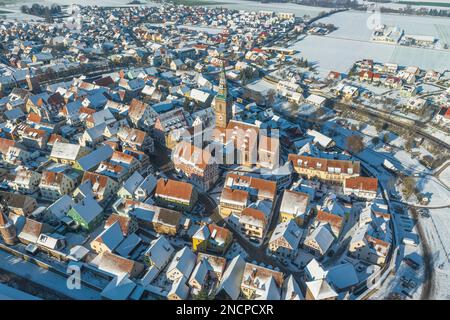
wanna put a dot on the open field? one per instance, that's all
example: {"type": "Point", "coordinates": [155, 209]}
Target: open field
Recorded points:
{"type": "Point", "coordinates": [433, 3]}
{"type": "Point", "coordinates": [351, 42]}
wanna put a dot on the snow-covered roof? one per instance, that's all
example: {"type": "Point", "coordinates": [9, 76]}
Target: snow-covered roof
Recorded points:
{"type": "Point", "coordinates": [133, 182]}
{"type": "Point", "coordinates": [111, 237]}
{"type": "Point", "coordinates": [88, 209]}
{"type": "Point", "coordinates": [160, 252]}
{"type": "Point", "coordinates": [183, 261]}
{"type": "Point", "coordinates": [202, 233]}
{"type": "Point", "coordinates": [120, 288]}
{"type": "Point", "coordinates": [128, 245]}
{"type": "Point", "coordinates": [323, 237]}
{"type": "Point", "coordinates": [179, 289]}
{"type": "Point", "coordinates": [321, 289]}
{"type": "Point", "coordinates": [314, 270]}
{"type": "Point", "coordinates": [342, 276]}
{"type": "Point", "coordinates": [315, 99]}
{"type": "Point", "coordinates": [65, 150]}
{"type": "Point", "coordinates": [320, 138]}
{"type": "Point", "coordinates": [270, 292]}
{"type": "Point", "coordinates": [291, 290]}
{"type": "Point", "coordinates": [289, 231]}
{"type": "Point", "coordinates": [200, 272]}
{"type": "Point", "coordinates": [94, 158]}
{"type": "Point", "coordinates": [232, 277]}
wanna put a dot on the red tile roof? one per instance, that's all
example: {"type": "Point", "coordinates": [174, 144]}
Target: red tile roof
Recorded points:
{"type": "Point", "coordinates": [362, 183]}
{"type": "Point", "coordinates": [172, 188]}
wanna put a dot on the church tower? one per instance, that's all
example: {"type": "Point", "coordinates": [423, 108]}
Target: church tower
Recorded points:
{"type": "Point", "coordinates": [7, 229]}
{"type": "Point", "coordinates": [223, 103]}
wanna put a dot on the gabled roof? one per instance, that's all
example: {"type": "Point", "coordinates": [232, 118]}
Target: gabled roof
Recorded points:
{"type": "Point", "coordinates": [334, 220]}
{"type": "Point", "coordinates": [120, 288]}
{"type": "Point", "coordinates": [94, 158]}
{"type": "Point", "coordinates": [320, 289]}
{"type": "Point", "coordinates": [294, 202]}
{"type": "Point", "coordinates": [159, 252]}
{"type": "Point", "coordinates": [111, 237]}
{"type": "Point", "coordinates": [289, 231]}
{"type": "Point", "coordinates": [232, 277]}
{"type": "Point", "coordinates": [362, 183]}
{"type": "Point", "coordinates": [322, 164]}
{"type": "Point", "coordinates": [116, 264]}
{"type": "Point", "coordinates": [88, 209]}
{"type": "Point", "coordinates": [174, 189]}
{"type": "Point", "coordinates": [291, 289]}
{"type": "Point", "coordinates": [323, 237]}
{"type": "Point", "coordinates": [342, 276]}
{"type": "Point", "coordinates": [183, 261]}
{"type": "Point", "coordinates": [314, 270]}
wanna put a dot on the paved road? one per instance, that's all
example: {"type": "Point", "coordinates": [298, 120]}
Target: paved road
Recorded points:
{"type": "Point", "coordinates": [427, 260]}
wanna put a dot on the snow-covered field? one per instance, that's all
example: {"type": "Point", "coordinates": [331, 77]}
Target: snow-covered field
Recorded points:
{"type": "Point", "coordinates": [437, 230]}
{"type": "Point", "coordinates": [357, 25]}
{"type": "Point", "coordinates": [438, 194]}
{"type": "Point", "coordinates": [351, 42]}
{"type": "Point", "coordinates": [298, 10]}
{"type": "Point", "coordinates": [445, 176]}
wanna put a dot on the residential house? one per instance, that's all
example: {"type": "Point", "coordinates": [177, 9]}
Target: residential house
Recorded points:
{"type": "Point", "coordinates": [166, 124]}
{"type": "Point", "coordinates": [128, 225]}
{"type": "Point", "coordinates": [285, 240]}
{"type": "Point", "coordinates": [92, 160]}
{"type": "Point", "coordinates": [87, 214]}
{"type": "Point", "coordinates": [136, 139]}
{"type": "Point", "coordinates": [230, 285]}
{"type": "Point", "coordinates": [335, 222]}
{"type": "Point", "coordinates": [319, 241]}
{"type": "Point", "coordinates": [53, 185]}
{"type": "Point", "coordinates": [291, 289]}
{"type": "Point", "coordinates": [325, 169]}
{"type": "Point", "coordinates": [159, 253]}
{"type": "Point", "coordinates": [117, 265]}
{"type": "Point", "coordinates": [320, 290]}
{"type": "Point", "coordinates": [212, 238]}
{"type": "Point", "coordinates": [179, 290]}
{"type": "Point", "coordinates": [25, 181]}
{"type": "Point", "coordinates": [18, 203]}
{"type": "Point", "coordinates": [175, 195]}
{"type": "Point", "coordinates": [239, 191]}
{"type": "Point", "coordinates": [102, 187]}
{"type": "Point", "coordinates": [67, 153]}
{"type": "Point", "coordinates": [109, 239]}
{"type": "Point", "coordinates": [363, 187]}
{"type": "Point", "coordinates": [196, 164]}
{"type": "Point", "coordinates": [181, 265]}
{"type": "Point", "coordinates": [294, 206]}
{"type": "Point", "coordinates": [207, 273]}
{"type": "Point", "coordinates": [31, 231]}
{"type": "Point", "coordinates": [261, 283]}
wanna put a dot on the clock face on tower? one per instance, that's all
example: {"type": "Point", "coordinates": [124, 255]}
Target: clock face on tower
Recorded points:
{"type": "Point", "coordinates": [220, 117]}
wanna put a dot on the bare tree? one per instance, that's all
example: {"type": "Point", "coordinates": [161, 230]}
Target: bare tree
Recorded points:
{"type": "Point", "coordinates": [355, 144]}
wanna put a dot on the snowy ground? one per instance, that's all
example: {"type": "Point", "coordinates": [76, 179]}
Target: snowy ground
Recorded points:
{"type": "Point", "coordinates": [437, 193]}
{"type": "Point", "coordinates": [298, 10]}
{"type": "Point", "coordinates": [351, 42]}
{"type": "Point", "coordinates": [437, 230]}
{"type": "Point", "coordinates": [445, 176]}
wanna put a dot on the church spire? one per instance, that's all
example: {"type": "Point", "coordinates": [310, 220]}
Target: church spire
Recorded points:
{"type": "Point", "coordinates": [223, 90]}
{"type": "Point", "coordinates": [223, 102]}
